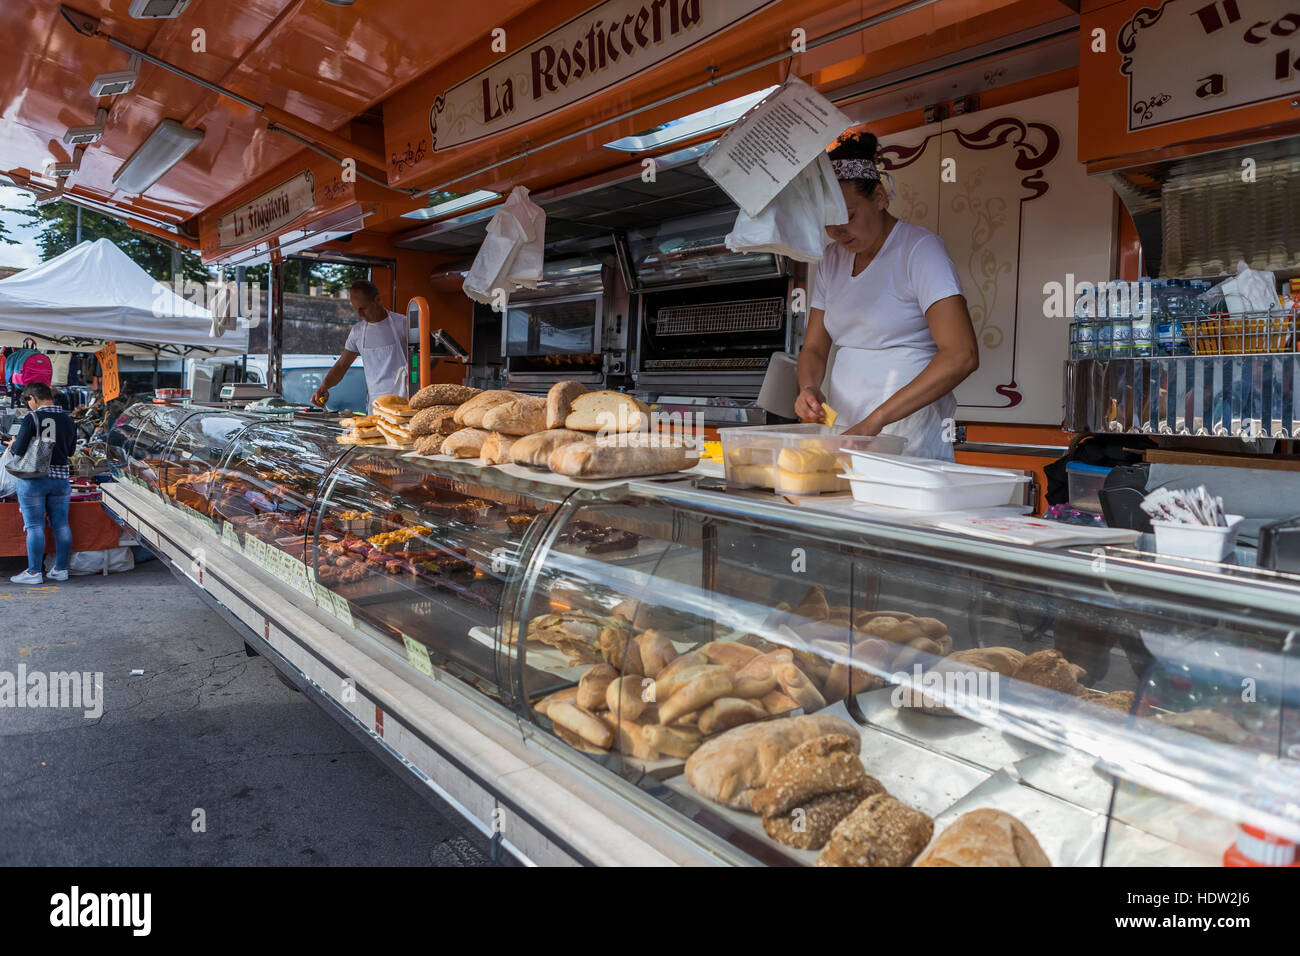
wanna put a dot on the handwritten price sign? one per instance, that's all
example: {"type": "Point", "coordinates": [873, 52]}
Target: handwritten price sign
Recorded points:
{"type": "Point", "coordinates": [108, 362]}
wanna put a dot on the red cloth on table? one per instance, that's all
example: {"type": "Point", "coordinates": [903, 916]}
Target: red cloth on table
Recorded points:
{"type": "Point", "coordinates": [92, 529]}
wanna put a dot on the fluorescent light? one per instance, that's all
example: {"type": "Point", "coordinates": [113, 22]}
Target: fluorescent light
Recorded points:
{"type": "Point", "coordinates": [693, 124]}
{"type": "Point", "coordinates": [157, 9]}
{"type": "Point", "coordinates": [454, 204]}
{"type": "Point", "coordinates": [164, 148]}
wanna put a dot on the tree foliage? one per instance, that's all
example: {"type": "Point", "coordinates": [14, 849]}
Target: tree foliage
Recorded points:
{"type": "Point", "coordinates": [57, 225]}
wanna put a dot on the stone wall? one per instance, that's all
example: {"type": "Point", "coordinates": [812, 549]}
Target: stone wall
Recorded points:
{"type": "Point", "coordinates": [312, 325]}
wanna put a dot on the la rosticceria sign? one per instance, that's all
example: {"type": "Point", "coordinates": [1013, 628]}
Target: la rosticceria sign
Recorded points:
{"type": "Point", "coordinates": [611, 42]}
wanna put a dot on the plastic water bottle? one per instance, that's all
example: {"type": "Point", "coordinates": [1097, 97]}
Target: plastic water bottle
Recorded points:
{"type": "Point", "coordinates": [1120, 311]}
{"type": "Point", "coordinates": [1143, 307]}
{"type": "Point", "coordinates": [1083, 330]}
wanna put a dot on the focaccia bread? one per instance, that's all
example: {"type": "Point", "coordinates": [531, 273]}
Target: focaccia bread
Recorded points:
{"type": "Point", "coordinates": [523, 416]}
{"type": "Point", "coordinates": [881, 831]}
{"type": "Point", "coordinates": [471, 413]}
{"type": "Point", "coordinates": [607, 411]}
{"type": "Point", "coordinates": [466, 443]}
{"type": "Point", "coordinates": [622, 456]}
{"type": "Point", "coordinates": [985, 838]}
{"type": "Point", "coordinates": [392, 405]}
{"type": "Point", "coordinates": [429, 420]}
{"type": "Point", "coordinates": [559, 402]}
{"type": "Point", "coordinates": [442, 394]}
{"type": "Point", "coordinates": [733, 766]}
{"type": "Point", "coordinates": [496, 450]}
{"type": "Point", "coordinates": [535, 450]}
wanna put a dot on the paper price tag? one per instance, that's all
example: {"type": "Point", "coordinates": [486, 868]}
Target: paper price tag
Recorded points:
{"type": "Point", "coordinates": [342, 610]}
{"type": "Point", "coordinates": [418, 655]}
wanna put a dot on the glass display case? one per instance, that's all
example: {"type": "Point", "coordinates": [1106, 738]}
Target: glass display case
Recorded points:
{"type": "Point", "coordinates": [793, 685]}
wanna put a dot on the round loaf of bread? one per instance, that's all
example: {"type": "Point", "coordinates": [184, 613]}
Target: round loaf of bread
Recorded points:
{"type": "Point", "coordinates": [985, 838]}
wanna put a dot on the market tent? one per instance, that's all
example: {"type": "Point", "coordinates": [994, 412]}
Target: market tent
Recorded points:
{"type": "Point", "coordinates": [94, 293]}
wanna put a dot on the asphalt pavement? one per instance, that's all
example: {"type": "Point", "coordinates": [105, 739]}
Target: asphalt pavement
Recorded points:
{"type": "Point", "coordinates": [204, 759]}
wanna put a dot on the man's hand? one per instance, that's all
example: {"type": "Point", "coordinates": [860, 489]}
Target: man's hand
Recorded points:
{"type": "Point", "coordinates": [320, 396]}
{"type": "Point", "coordinates": [808, 406]}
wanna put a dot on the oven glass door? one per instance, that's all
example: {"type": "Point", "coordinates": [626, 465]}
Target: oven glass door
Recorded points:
{"type": "Point", "coordinates": [564, 327]}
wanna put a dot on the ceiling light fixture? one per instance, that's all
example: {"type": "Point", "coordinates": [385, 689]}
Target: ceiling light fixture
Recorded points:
{"type": "Point", "coordinates": [114, 84]}
{"type": "Point", "coordinates": [166, 146]}
{"type": "Point", "coordinates": [85, 135]}
{"type": "Point", "coordinates": [158, 9]}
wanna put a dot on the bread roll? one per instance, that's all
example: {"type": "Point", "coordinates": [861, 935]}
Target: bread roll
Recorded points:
{"type": "Point", "coordinates": [797, 686]}
{"type": "Point", "coordinates": [607, 411]}
{"type": "Point", "coordinates": [764, 664]}
{"type": "Point", "coordinates": [727, 712]}
{"type": "Point", "coordinates": [559, 402]}
{"type": "Point", "coordinates": [569, 693]}
{"type": "Point", "coordinates": [985, 837]}
{"type": "Point", "coordinates": [625, 696]}
{"type": "Point", "coordinates": [442, 394]}
{"type": "Point", "coordinates": [813, 606]}
{"type": "Point", "coordinates": [523, 416]}
{"type": "Point", "coordinates": [622, 456]}
{"type": "Point", "coordinates": [694, 658]}
{"type": "Point", "coordinates": [466, 443]}
{"type": "Point", "coordinates": [731, 767]}
{"type": "Point", "coordinates": [620, 651]}
{"type": "Point", "coordinates": [670, 680]}
{"type": "Point", "coordinates": [629, 737]}
{"type": "Point", "coordinates": [707, 686]}
{"type": "Point", "coordinates": [535, 450]}
{"type": "Point", "coordinates": [496, 450]}
{"type": "Point", "coordinates": [427, 421]}
{"type": "Point", "coordinates": [657, 652]}
{"type": "Point", "coordinates": [471, 413]}
{"type": "Point", "coordinates": [755, 684]}
{"type": "Point", "coordinates": [581, 722]}
{"type": "Point", "coordinates": [674, 741]}
{"type": "Point", "coordinates": [777, 703]}
{"type": "Point", "coordinates": [731, 653]}
{"type": "Point", "coordinates": [593, 684]}
{"type": "Point", "coordinates": [881, 831]}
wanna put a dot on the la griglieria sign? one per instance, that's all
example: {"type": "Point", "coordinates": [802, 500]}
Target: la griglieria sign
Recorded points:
{"type": "Point", "coordinates": [609, 43]}
{"type": "Point", "coordinates": [1192, 58]}
{"type": "Point", "coordinates": [268, 213]}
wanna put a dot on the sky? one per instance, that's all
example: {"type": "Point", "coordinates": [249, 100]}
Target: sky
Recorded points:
{"type": "Point", "coordinates": [27, 253]}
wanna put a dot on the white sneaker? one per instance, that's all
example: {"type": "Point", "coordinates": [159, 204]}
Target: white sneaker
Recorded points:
{"type": "Point", "coordinates": [56, 575]}
{"type": "Point", "coordinates": [28, 577]}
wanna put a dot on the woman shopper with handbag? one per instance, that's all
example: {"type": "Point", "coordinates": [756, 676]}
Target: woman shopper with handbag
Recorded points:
{"type": "Point", "coordinates": [40, 453]}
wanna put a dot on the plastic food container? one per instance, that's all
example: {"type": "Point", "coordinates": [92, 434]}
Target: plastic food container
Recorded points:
{"type": "Point", "coordinates": [804, 459]}
{"type": "Point", "coordinates": [1085, 483]}
{"type": "Point", "coordinates": [1197, 540]}
{"type": "Point", "coordinates": [924, 484]}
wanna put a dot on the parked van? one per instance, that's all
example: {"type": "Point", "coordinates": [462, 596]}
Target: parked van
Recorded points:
{"type": "Point", "coordinates": [303, 374]}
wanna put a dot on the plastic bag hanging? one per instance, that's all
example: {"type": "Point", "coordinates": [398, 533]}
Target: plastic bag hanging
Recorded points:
{"type": "Point", "coordinates": [794, 223]}
{"type": "Point", "coordinates": [512, 253]}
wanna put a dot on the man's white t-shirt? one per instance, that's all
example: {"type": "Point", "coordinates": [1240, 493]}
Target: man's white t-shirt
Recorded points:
{"type": "Point", "coordinates": [382, 347]}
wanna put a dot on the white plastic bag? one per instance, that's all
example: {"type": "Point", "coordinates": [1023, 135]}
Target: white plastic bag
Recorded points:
{"type": "Point", "coordinates": [511, 255]}
{"type": "Point", "coordinates": [794, 223]}
{"type": "Point", "coordinates": [96, 562]}
{"type": "Point", "coordinates": [8, 483]}
{"type": "Point", "coordinates": [1249, 290]}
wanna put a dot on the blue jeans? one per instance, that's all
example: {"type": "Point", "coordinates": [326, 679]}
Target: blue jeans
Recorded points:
{"type": "Point", "coordinates": [39, 498]}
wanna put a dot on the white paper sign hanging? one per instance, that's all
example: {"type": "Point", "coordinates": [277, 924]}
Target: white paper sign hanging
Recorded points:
{"type": "Point", "coordinates": [772, 143]}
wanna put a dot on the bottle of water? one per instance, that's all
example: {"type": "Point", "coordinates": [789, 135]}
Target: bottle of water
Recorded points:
{"type": "Point", "coordinates": [1120, 312]}
{"type": "Point", "coordinates": [1180, 307]}
{"type": "Point", "coordinates": [1083, 331]}
{"type": "Point", "coordinates": [1143, 307]}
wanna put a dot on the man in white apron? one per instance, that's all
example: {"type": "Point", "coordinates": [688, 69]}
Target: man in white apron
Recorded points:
{"type": "Point", "coordinates": [380, 339]}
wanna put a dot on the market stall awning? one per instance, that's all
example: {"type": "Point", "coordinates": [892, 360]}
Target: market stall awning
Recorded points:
{"type": "Point", "coordinates": [93, 294]}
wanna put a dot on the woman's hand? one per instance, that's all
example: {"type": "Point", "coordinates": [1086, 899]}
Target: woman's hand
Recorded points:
{"type": "Point", "coordinates": [808, 406]}
{"type": "Point", "coordinates": [869, 426]}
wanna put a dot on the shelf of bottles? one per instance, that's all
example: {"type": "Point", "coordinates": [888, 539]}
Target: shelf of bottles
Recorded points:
{"type": "Point", "coordinates": [1165, 357]}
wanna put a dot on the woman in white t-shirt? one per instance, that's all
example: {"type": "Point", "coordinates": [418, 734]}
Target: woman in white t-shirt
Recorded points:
{"type": "Point", "coordinates": [887, 294]}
